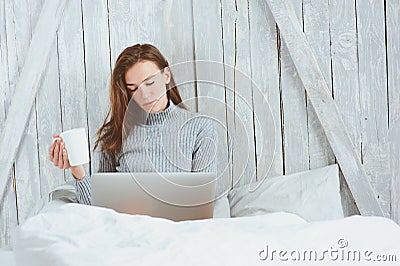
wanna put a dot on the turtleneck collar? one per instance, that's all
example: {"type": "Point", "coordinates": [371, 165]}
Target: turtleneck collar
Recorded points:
{"type": "Point", "coordinates": [160, 117]}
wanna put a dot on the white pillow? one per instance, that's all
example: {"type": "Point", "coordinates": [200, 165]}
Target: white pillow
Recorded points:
{"type": "Point", "coordinates": [313, 195]}
{"type": "Point", "coordinates": [60, 195]}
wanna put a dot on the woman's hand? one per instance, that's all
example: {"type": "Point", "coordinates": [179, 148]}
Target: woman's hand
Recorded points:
{"type": "Point", "coordinates": [58, 153]}
{"type": "Point", "coordinates": [59, 157]}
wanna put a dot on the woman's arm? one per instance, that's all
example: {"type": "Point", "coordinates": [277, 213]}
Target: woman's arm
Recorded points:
{"type": "Point", "coordinates": [107, 163]}
{"type": "Point", "coordinates": [59, 156]}
{"type": "Point", "coordinates": [204, 158]}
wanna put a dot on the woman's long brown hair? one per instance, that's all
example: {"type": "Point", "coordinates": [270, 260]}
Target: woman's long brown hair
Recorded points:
{"type": "Point", "coordinates": [109, 136]}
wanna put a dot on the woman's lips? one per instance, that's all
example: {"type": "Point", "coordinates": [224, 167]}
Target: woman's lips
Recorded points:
{"type": "Point", "coordinates": [149, 103]}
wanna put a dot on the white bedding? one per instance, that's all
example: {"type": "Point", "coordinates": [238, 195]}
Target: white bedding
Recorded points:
{"type": "Point", "coordinates": [74, 234]}
{"type": "Point", "coordinates": [6, 257]}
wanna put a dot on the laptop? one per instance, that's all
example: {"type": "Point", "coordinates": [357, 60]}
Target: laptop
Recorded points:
{"type": "Point", "coordinates": [175, 196]}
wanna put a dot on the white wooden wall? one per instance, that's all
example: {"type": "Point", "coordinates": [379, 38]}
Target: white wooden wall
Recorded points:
{"type": "Point", "coordinates": [355, 42]}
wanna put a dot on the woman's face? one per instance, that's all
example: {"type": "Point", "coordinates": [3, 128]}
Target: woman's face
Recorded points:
{"type": "Point", "coordinates": [146, 83]}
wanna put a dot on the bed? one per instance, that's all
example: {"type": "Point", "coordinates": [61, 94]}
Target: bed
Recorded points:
{"type": "Point", "coordinates": [289, 220]}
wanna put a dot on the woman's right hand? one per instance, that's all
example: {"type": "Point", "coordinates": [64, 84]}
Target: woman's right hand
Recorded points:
{"type": "Point", "coordinates": [58, 153]}
{"type": "Point", "coordinates": [59, 157]}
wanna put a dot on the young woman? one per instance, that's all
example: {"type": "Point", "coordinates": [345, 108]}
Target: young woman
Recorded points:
{"type": "Point", "coordinates": [152, 133]}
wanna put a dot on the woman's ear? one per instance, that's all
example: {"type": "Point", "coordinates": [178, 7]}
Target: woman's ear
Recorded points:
{"type": "Point", "coordinates": [167, 75]}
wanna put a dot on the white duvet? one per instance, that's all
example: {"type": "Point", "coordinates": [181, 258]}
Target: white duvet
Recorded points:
{"type": "Point", "coordinates": [75, 234]}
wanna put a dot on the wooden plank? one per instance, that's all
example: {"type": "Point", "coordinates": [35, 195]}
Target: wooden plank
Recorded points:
{"type": "Point", "coordinates": [373, 93]}
{"type": "Point", "coordinates": [26, 161]}
{"type": "Point", "coordinates": [316, 30]}
{"type": "Point", "coordinates": [345, 81]}
{"type": "Point", "coordinates": [48, 118]}
{"type": "Point", "coordinates": [8, 204]}
{"type": "Point", "coordinates": [133, 22]}
{"type": "Point", "coordinates": [237, 55]}
{"type": "Point", "coordinates": [179, 27]}
{"type": "Point", "coordinates": [74, 100]}
{"type": "Point", "coordinates": [4, 84]}
{"type": "Point", "coordinates": [393, 59]}
{"type": "Point", "coordinates": [97, 68]}
{"type": "Point", "coordinates": [294, 109]}
{"type": "Point", "coordinates": [158, 22]}
{"type": "Point", "coordinates": [26, 174]}
{"type": "Point", "coordinates": [48, 115]}
{"type": "Point", "coordinates": [266, 94]}
{"type": "Point", "coordinates": [27, 85]}
{"type": "Point", "coordinates": [121, 30]}
{"type": "Point", "coordinates": [209, 75]}
{"type": "Point", "coordinates": [228, 14]}
{"type": "Point", "coordinates": [8, 214]}
{"type": "Point", "coordinates": [393, 67]}
{"type": "Point", "coordinates": [325, 107]}
{"type": "Point", "coordinates": [49, 122]}
{"type": "Point", "coordinates": [394, 138]}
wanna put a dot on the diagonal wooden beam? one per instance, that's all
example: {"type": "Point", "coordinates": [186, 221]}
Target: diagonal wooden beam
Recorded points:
{"type": "Point", "coordinates": [324, 106]}
{"type": "Point", "coordinates": [27, 85]}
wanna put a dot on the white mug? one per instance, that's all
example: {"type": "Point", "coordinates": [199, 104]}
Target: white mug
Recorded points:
{"type": "Point", "coordinates": [77, 146]}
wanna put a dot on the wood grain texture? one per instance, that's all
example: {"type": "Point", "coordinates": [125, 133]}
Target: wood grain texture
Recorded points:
{"type": "Point", "coordinates": [316, 29]}
{"type": "Point", "coordinates": [239, 96]}
{"type": "Point", "coordinates": [8, 214]}
{"type": "Point", "coordinates": [165, 24]}
{"type": "Point", "coordinates": [26, 168]}
{"type": "Point", "coordinates": [326, 109]}
{"type": "Point", "coordinates": [393, 67]}
{"type": "Point", "coordinates": [26, 160]}
{"type": "Point", "coordinates": [97, 69]}
{"type": "Point", "coordinates": [266, 94]}
{"type": "Point", "coordinates": [49, 117]}
{"type": "Point", "coordinates": [228, 14]}
{"type": "Point", "coordinates": [8, 204]}
{"type": "Point", "coordinates": [72, 73]}
{"type": "Point", "coordinates": [209, 81]}
{"type": "Point", "coordinates": [48, 112]}
{"type": "Point", "coordinates": [134, 22]}
{"type": "Point", "coordinates": [3, 63]}
{"type": "Point", "coordinates": [178, 44]}
{"type": "Point", "coordinates": [345, 81]}
{"type": "Point", "coordinates": [49, 122]}
{"type": "Point", "coordinates": [373, 95]}
{"type": "Point", "coordinates": [394, 138]}
{"type": "Point", "coordinates": [27, 85]}
{"type": "Point", "coordinates": [294, 109]}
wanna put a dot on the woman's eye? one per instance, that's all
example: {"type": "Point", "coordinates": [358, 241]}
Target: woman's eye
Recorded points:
{"type": "Point", "coordinates": [150, 83]}
{"type": "Point", "coordinates": [133, 90]}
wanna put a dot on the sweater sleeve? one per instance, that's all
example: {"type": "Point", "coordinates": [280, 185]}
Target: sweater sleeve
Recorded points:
{"type": "Point", "coordinates": [107, 163]}
{"type": "Point", "coordinates": [204, 157]}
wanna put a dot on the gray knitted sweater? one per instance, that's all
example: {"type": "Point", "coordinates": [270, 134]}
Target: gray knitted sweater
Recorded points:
{"type": "Point", "coordinates": [173, 140]}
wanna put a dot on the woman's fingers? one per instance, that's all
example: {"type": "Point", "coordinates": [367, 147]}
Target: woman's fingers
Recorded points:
{"type": "Point", "coordinates": [58, 153]}
{"type": "Point", "coordinates": [60, 159]}
{"type": "Point", "coordinates": [51, 151]}
{"type": "Point", "coordinates": [65, 156]}
{"type": "Point", "coordinates": [55, 153]}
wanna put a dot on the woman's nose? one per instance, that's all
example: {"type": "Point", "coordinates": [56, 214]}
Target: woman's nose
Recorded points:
{"type": "Point", "coordinates": [145, 92]}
